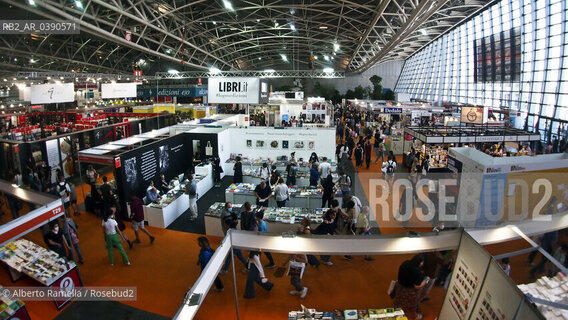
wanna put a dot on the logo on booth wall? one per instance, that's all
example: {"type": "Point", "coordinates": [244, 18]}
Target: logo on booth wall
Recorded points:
{"type": "Point", "coordinates": [517, 168]}
{"type": "Point", "coordinates": [472, 115]}
{"type": "Point", "coordinates": [493, 170]}
{"type": "Point", "coordinates": [67, 284]}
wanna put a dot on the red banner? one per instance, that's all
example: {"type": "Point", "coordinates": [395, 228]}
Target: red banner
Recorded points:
{"type": "Point", "coordinates": [30, 221]}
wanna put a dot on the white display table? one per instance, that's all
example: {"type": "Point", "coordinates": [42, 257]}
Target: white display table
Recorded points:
{"type": "Point", "coordinates": [161, 216]}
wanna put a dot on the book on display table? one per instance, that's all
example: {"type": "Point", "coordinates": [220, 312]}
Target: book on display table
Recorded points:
{"type": "Point", "coordinates": [348, 314]}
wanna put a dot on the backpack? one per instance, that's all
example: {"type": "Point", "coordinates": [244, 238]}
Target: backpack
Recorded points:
{"type": "Point", "coordinates": [248, 221]}
{"type": "Point", "coordinates": [390, 167]}
{"type": "Point", "coordinates": [62, 190]}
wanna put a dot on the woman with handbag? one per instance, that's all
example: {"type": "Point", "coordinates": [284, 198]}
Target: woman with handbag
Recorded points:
{"type": "Point", "coordinates": [296, 270]}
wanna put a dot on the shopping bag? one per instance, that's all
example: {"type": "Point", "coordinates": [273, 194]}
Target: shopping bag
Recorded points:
{"type": "Point", "coordinates": [391, 289]}
{"type": "Point", "coordinates": [296, 269]}
{"type": "Point", "coordinates": [208, 149]}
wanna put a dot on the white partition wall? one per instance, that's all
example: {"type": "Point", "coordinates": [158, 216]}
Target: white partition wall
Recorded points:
{"type": "Point", "coordinates": [268, 142]}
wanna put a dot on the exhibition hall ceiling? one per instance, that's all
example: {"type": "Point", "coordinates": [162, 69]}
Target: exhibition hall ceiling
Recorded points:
{"type": "Point", "coordinates": [118, 36]}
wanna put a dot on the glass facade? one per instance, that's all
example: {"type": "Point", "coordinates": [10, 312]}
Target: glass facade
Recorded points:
{"type": "Point", "coordinates": [445, 70]}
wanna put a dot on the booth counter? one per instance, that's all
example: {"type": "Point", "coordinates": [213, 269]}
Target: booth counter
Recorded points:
{"type": "Point", "coordinates": [299, 197]}
{"type": "Point", "coordinates": [278, 220]}
{"type": "Point", "coordinates": [176, 202]}
{"type": "Point", "coordinates": [255, 165]}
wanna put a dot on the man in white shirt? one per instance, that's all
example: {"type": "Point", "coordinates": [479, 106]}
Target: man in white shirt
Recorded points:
{"type": "Point", "coordinates": [389, 168]}
{"type": "Point", "coordinates": [324, 168]}
{"type": "Point", "coordinates": [64, 191]}
{"type": "Point", "coordinates": [343, 152]}
{"type": "Point", "coordinates": [264, 172]}
{"type": "Point", "coordinates": [281, 193]}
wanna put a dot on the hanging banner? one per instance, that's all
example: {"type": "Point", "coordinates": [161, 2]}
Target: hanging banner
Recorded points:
{"type": "Point", "coordinates": [234, 90]}
{"type": "Point", "coordinates": [392, 110]}
{"type": "Point", "coordinates": [118, 90]}
{"type": "Point", "coordinates": [263, 91]}
{"type": "Point", "coordinates": [171, 92]}
{"type": "Point", "coordinates": [52, 93]}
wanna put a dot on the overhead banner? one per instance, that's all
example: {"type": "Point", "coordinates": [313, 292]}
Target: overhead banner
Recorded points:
{"type": "Point", "coordinates": [118, 90]}
{"type": "Point", "coordinates": [52, 93]}
{"type": "Point", "coordinates": [475, 115]}
{"type": "Point", "coordinates": [392, 110]}
{"type": "Point", "coordinates": [234, 90]}
{"type": "Point", "coordinates": [171, 92]}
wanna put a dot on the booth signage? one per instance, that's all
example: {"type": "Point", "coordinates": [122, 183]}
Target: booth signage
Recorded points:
{"type": "Point", "coordinates": [118, 90]}
{"type": "Point", "coordinates": [31, 221]}
{"type": "Point", "coordinates": [489, 139]}
{"type": "Point", "coordinates": [392, 110]}
{"type": "Point", "coordinates": [24, 93]}
{"type": "Point", "coordinates": [234, 90]}
{"type": "Point", "coordinates": [454, 165]}
{"type": "Point", "coordinates": [475, 115]}
{"type": "Point", "coordinates": [171, 92]}
{"type": "Point", "coordinates": [52, 93]}
{"type": "Point", "coordinates": [263, 91]}
{"type": "Point", "coordinates": [68, 283]}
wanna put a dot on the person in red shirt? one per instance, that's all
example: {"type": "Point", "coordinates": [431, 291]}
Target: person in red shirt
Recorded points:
{"type": "Point", "coordinates": [137, 217]}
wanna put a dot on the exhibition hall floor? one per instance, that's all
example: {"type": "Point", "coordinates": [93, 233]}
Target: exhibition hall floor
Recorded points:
{"type": "Point", "coordinates": [164, 271]}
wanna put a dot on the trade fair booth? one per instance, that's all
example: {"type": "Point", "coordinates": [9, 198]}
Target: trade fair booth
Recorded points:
{"type": "Point", "coordinates": [435, 141]}
{"type": "Point", "coordinates": [24, 258]}
{"type": "Point", "coordinates": [494, 190]}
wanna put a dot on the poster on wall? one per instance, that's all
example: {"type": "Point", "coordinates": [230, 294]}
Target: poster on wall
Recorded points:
{"type": "Point", "coordinates": [462, 290]}
{"type": "Point", "coordinates": [52, 93]}
{"type": "Point", "coordinates": [233, 90]}
{"type": "Point", "coordinates": [168, 157]}
{"type": "Point", "coordinates": [66, 150]}
{"type": "Point", "coordinates": [311, 145]}
{"type": "Point", "coordinates": [298, 144]}
{"type": "Point", "coordinates": [102, 136]}
{"type": "Point", "coordinates": [249, 143]}
{"type": "Point", "coordinates": [52, 157]}
{"type": "Point", "coordinates": [118, 90]}
{"type": "Point", "coordinates": [475, 115]}
{"type": "Point", "coordinates": [284, 144]}
{"type": "Point", "coordinates": [274, 144]}
{"type": "Point", "coordinates": [259, 143]}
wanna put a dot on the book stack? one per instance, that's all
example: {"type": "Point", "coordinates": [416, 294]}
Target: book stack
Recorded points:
{"type": "Point", "coordinates": [41, 264]}
{"type": "Point", "coordinates": [349, 314]}
{"type": "Point", "coordinates": [553, 289]}
{"type": "Point", "coordinates": [9, 304]}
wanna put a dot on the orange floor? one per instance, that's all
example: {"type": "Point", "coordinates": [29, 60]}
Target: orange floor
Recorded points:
{"type": "Point", "coordinates": [164, 271]}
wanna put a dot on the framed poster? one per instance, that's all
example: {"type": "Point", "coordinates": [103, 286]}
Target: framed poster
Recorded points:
{"type": "Point", "coordinates": [249, 143]}
{"type": "Point", "coordinates": [260, 143]}
{"type": "Point", "coordinates": [274, 144]}
{"type": "Point", "coordinates": [298, 144]}
{"type": "Point", "coordinates": [284, 144]}
{"type": "Point", "coordinates": [311, 145]}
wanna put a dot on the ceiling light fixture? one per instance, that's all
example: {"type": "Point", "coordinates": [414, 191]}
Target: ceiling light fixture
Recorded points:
{"type": "Point", "coordinates": [276, 24]}
{"type": "Point", "coordinates": [292, 27]}
{"type": "Point", "coordinates": [323, 27]}
{"type": "Point", "coordinates": [284, 57]}
{"type": "Point", "coordinates": [214, 70]}
{"type": "Point", "coordinates": [336, 47]}
{"type": "Point", "coordinates": [269, 70]}
{"type": "Point", "coordinates": [228, 5]}
{"type": "Point", "coordinates": [326, 57]}
{"type": "Point", "coordinates": [328, 70]}
{"type": "Point", "coordinates": [78, 4]}
{"type": "Point", "coordinates": [316, 57]}
{"type": "Point", "coordinates": [173, 71]}
{"type": "Point", "coordinates": [423, 31]}
{"type": "Point", "coordinates": [31, 2]}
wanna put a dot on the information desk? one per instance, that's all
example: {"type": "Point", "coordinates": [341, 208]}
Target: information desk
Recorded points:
{"type": "Point", "coordinates": [256, 164]}
{"type": "Point", "coordinates": [302, 178]}
{"type": "Point", "coordinates": [174, 203]}
{"type": "Point", "coordinates": [385, 314]}
{"type": "Point", "coordinates": [23, 257]}
{"type": "Point", "coordinates": [299, 197]}
{"type": "Point", "coordinates": [277, 220]}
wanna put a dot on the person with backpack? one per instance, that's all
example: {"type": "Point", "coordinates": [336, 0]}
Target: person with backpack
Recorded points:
{"type": "Point", "coordinates": [205, 255]}
{"type": "Point", "coordinates": [345, 186]}
{"type": "Point", "coordinates": [64, 192]}
{"type": "Point", "coordinates": [389, 168]}
{"type": "Point", "coordinates": [291, 173]}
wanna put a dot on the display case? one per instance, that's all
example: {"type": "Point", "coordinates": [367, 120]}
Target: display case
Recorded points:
{"type": "Point", "coordinates": [277, 219]}
{"type": "Point", "coordinates": [303, 197]}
